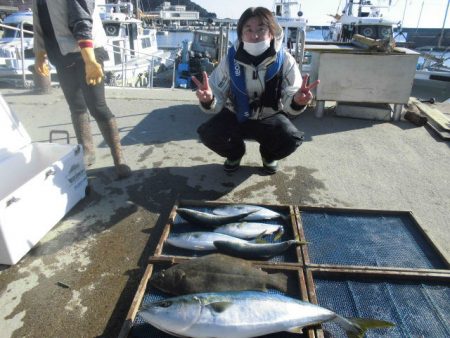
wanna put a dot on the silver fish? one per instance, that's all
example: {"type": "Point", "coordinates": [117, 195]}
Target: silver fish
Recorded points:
{"type": "Point", "coordinates": [255, 250]}
{"type": "Point", "coordinates": [199, 240]}
{"type": "Point", "coordinates": [233, 315]}
{"type": "Point", "coordinates": [249, 230]}
{"type": "Point", "coordinates": [208, 219]}
{"type": "Point", "coordinates": [257, 213]}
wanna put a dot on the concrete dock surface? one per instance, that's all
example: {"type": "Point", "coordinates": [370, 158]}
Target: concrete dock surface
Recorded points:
{"type": "Point", "coordinates": [79, 281]}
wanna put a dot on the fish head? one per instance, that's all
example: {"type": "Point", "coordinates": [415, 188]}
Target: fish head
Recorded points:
{"type": "Point", "coordinates": [168, 280]}
{"type": "Point", "coordinates": [174, 315]}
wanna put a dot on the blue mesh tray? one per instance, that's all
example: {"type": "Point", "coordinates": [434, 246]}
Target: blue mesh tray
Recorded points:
{"type": "Point", "coordinates": [141, 329]}
{"type": "Point", "coordinates": [419, 309]}
{"type": "Point", "coordinates": [179, 225]}
{"type": "Point", "coordinates": [367, 239]}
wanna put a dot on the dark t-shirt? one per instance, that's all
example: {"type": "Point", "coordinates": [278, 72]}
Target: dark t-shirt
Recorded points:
{"type": "Point", "coordinates": [51, 44]}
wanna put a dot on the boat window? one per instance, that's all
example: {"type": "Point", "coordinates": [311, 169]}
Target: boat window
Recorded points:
{"type": "Point", "coordinates": [368, 31]}
{"type": "Point", "coordinates": [208, 39]}
{"type": "Point", "coordinates": [133, 31]}
{"type": "Point", "coordinates": [117, 52]}
{"type": "Point", "coordinates": [146, 42]}
{"type": "Point", "coordinates": [28, 27]}
{"type": "Point", "coordinates": [29, 53]}
{"type": "Point", "coordinates": [385, 32]}
{"type": "Point", "coordinates": [9, 33]}
{"type": "Point", "coordinates": [278, 10]}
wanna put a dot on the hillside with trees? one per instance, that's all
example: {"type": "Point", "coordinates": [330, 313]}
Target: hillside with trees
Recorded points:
{"type": "Point", "coordinates": [150, 5]}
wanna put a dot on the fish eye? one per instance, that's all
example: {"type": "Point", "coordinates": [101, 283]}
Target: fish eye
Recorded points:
{"type": "Point", "coordinates": [164, 303]}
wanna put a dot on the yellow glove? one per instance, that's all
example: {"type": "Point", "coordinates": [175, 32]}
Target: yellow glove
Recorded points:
{"type": "Point", "coordinates": [40, 64]}
{"type": "Point", "coordinates": [94, 72]}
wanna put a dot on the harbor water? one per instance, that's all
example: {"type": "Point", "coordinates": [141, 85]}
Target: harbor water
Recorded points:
{"type": "Point", "coordinates": [174, 39]}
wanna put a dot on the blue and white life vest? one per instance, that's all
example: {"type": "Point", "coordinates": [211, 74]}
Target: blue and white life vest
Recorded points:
{"type": "Point", "coordinates": [238, 85]}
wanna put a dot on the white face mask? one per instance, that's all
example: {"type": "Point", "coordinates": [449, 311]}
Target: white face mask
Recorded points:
{"type": "Point", "coordinates": [256, 48]}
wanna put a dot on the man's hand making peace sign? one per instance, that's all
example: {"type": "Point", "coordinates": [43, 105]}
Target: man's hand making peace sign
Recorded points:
{"type": "Point", "coordinates": [204, 92]}
{"type": "Point", "coordinates": [304, 95]}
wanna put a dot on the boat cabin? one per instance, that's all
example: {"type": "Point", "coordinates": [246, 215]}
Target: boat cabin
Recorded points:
{"type": "Point", "coordinates": [364, 18]}
{"type": "Point", "coordinates": [10, 44]}
{"type": "Point", "coordinates": [126, 34]}
{"type": "Point", "coordinates": [208, 44]}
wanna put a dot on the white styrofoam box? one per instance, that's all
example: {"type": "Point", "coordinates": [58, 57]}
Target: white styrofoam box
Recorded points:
{"type": "Point", "coordinates": [351, 74]}
{"type": "Point", "coordinates": [39, 184]}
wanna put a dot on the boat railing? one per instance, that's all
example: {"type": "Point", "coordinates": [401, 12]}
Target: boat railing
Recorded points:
{"type": "Point", "coordinates": [437, 61]}
{"type": "Point", "coordinates": [123, 51]}
{"type": "Point", "coordinates": [22, 46]}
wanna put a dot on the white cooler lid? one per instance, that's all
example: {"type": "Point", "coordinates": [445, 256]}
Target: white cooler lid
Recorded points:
{"type": "Point", "coordinates": [13, 135]}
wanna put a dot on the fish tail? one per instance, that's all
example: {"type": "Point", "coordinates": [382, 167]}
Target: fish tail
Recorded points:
{"type": "Point", "coordinates": [260, 237]}
{"type": "Point", "coordinates": [356, 327]}
{"type": "Point", "coordinates": [279, 281]}
{"type": "Point", "coordinates": [298, 242]}
{"type": "Point", "coordinates": [279, 233]}
{"type": "Point", "coordinates": [285, 218]}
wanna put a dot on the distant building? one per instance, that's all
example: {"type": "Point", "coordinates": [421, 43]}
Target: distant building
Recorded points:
{"type": "Point", "coordinates": [10, 6]}
{"type": "Point", "coordinates": [20, 4]}
{"type": "Point", "coordinates": [174, 15]}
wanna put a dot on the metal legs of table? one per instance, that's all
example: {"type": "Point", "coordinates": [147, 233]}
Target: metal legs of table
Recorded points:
{"type": "Point", "coordinates": [320, 107]}
{"type": "Point", "coordinates": [397, 112]}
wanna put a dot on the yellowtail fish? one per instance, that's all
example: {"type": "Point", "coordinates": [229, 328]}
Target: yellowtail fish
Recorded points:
{"type": "Point", "coordinates": [199, 240]}
{"type": "Point", "coordinates": [254, 250]}
{"type": "Point", "coordinates": [256, 212]}
{"type": "Point", "coordinates": [245, 314]}
{"type": "Point", "coordinates": [249, 230]}
{"type": "Point", "coordinates": [209, 219]}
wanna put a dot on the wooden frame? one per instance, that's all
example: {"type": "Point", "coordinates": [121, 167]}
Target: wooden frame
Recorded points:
{"type": "Point", "coordinates": [154, 261]}
{"type": "Point", "coordinates": [306, 271]}
{"type": "Point", "coordinates": [361, 272]}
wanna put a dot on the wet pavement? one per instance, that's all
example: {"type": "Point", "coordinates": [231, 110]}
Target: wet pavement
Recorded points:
{"type": "Point", "coordinates": [79, 281]}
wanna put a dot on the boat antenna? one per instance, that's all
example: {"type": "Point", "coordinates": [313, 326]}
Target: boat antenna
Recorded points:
{"type": "Point", "coordinates": [339, 6]}
{"type": "Point", "coordinates": [420, 15]}
{"type": "Point", "coordinates": [136, 9]}
{"type": "Point", "coordinates": [443, 25]}
{"type": "Point", "coordinates": [350, 7]}
{"type": "Point", "coordinates": [404, 11]}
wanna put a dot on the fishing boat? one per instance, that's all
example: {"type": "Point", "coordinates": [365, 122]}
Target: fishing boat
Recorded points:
{"type": "Point", "coordinates": [433, 67]}
{"type": "Point", "coordinates": [134, 55]}
{"type": "Point", "coordinates": [16, 48]}
{"type": "Point", "coordinates": [365, 18]}
{"type": "Point", "coordinates": [289, 16]}
{"type": "Point", "coordinates": [433, 71]}
{"type": "Point", "coordinates": [132, 48]}
{"type": "Point", "coordinates": [201, 54]}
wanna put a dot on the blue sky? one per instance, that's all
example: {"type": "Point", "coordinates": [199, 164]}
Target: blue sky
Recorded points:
{"type": "Point", "coordinates": [431, 15]}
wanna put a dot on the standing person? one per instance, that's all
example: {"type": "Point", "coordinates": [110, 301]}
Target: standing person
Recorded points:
{"type": "Point", "coordinates": [253, 91]}
{"type": "Point", "coordinates": [70, 34]}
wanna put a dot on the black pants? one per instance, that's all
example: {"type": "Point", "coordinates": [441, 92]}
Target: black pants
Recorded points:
{"type": "Point", "coordinates": [79, 95]}
{"type": "Point", "coordinates": [276, 135]}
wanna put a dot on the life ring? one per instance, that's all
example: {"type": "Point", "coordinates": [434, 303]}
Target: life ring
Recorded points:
{"type": "Point", "coordinates": [111, 30]}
